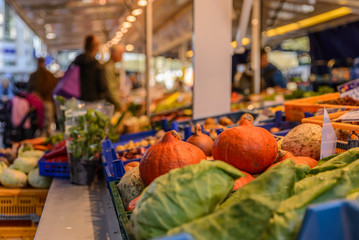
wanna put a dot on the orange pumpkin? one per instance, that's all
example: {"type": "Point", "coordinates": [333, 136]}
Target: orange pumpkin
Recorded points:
{"type": "Point", "coordinates": [240, 182]}
{"type": "Point", "coordinates": [246, 147]}
{"type": "Point", "coordinates": [131, 206]}
{"type": "Point", "coordinates": [301, 160]}
{"type": "Point", "coordinates": [282, 155]}
{"type": "Point", "coordinates": [168, 154]}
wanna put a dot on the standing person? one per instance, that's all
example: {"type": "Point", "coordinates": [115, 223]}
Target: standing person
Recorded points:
{"type": "Point", "coordinates": [42, 82]}
{"type": "Point", "coordinates": [271, 75]}
{"type": "Point", "coordinates": [112, 76]}
{"type": "Point", "coordinates": [91, 72]}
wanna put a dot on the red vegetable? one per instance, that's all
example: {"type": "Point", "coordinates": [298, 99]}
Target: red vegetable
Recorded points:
{"type": "Point", "coordinates": [240, 182]}
{"type": "Point", "coordinates": [58, 159]}
{"type": "Point", "coordinates": [61, 151]}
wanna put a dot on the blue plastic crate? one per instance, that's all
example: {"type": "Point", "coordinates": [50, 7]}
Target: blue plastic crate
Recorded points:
{"type": "Point", "coordinates": [114, 168]}
{"type": "Point", "coordinates": [331, 221]}
{"type": "Point", "coordinates": [53, 169]}
{"type": "Point", "coordinates": [125, 138]}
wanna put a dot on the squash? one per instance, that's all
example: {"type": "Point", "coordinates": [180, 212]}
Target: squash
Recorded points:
{"type": "Point", "coordinates": [132, 204]}
{"type": "Point", "coordinates": [282, 155]}
{"type": "Point", "coordinates": [240, 182]}
{"type": "Point", "coordinates": [246, 147]}
{"type": "Point", "coordinates": [168, 154]}
{"type": "Point", "coordinates": [201, 140]}
{"type": "Point", "coordinates": [130, 185]}
{"type": "Point", "coordinates": [300, 160]}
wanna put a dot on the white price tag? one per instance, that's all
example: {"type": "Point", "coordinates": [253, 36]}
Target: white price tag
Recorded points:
{"type": "Point", "coordinates": [329, 138]}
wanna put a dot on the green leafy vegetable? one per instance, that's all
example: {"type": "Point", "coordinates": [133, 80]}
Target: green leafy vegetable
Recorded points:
{"type": "Point", "coordinates": [339, 161]}
{"type": "Point", "coordinates": [286, 221]}
{"type": "Point", "coordinates": [301, 171]}
{"type": "Point", "coordinates": [38, 181]}
{"type": "Point", "coordinates": [87, 135]}
{"type": "Point", "coordinates": [246, 214]}
{"type": "Point", "coordinates": [181, 196]}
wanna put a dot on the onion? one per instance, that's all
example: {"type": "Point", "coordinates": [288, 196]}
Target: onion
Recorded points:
{"type": "Point", "coordinates": [202, 141]}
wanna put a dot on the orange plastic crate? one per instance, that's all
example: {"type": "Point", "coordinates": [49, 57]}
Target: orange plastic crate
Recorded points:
{"type": "Point", "coordinates": [21, 233]}
{"type": "Point", "coordinates": [295, 109]}
{"type": "Point", "coordinates": [22, 201]}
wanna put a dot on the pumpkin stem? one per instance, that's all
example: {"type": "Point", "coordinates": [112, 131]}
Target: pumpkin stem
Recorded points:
{"type": "Point", "coordinates": [197, 129]}
{"type": "Point", "coordinates": [246, 120]}
{"type": "Point", "coordinates": [176, 134]}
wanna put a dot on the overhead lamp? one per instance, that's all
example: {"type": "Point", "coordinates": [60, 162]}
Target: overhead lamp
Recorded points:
{"type": "Point", "coordinates": [50, 35]}
{"type": "Point", "coordinates": [308, 22]}
{"type": "Point", "coordinates": [114, 41]}
{"type": "Point", "coordinates": [119, 34]}
{"type": "Point", "coordinates": [124, 30]}
{"type": "Point", "coordinates": [137, 12]}
{"type": "Point", "coordinates": [118, 38]}
{"type": "Point", "coordinates": [126, 25]}
{"type": "Point", "coordinates": [245, 41]}
{"type": "Point", "coordinates": [142, 3]}
{"type": "Point", "coordinates": [131, 18]}
{"type": "Point", "coordinates": [129, 47]}
{"type": "Point", "coordinates": [102, 2]}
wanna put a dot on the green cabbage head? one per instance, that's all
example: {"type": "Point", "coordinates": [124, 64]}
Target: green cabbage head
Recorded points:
{"type": "Point", "coordinates": [25, 164]}
{"type": "Point", "coordinates": [38, 181]}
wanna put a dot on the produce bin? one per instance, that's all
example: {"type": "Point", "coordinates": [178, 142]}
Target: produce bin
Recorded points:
{"type": "Point", "coordinates": [295, 109]}
{"type": "Point", "coordinates": [23, 233]}
{"type": "Point", "coordinates": [18, 202]}
{"type": "Point", "coordinates": [331, 221]}
{"type": "Point", "coordinates": [53, 169]}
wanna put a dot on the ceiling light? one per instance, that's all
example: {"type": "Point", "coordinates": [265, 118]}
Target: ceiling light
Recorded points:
{"type": "Point", "coordinates": [129, 47]}
{"type": "Point", "coordinates": [50, 35]}
{"type": "Point", "coordinates": [124, 30]}
{"type": "Point", "coordinates": [308, 22]}
{"type": "Point", "coordinates": [131, 18]}
{"type": "Point", "coordinates": [114, 41]}
{"type": "Point", "coordinates": [119, 34]}
{"type": "Point", "coordinates": [142, 3]}
{"type": "Point", "coordinates": [137, 12]}
{"type": "Point", "coordinates": [126, 25]}
{"type": "Point", "coordinates": [102, 2]}
{"type": "Point", "coordinates": [118, 38]}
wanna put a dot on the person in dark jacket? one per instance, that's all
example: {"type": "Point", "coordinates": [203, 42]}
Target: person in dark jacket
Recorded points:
{"type": "Point", "coordinates": [91, 72]}
{"type": "Point", "coordinates": [271, 75]}
{"type": "Point", "coordinates": [42, 82]}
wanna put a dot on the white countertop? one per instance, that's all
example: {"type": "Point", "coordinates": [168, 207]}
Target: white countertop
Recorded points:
{"type": "Point", "coordinates": [78, 212]}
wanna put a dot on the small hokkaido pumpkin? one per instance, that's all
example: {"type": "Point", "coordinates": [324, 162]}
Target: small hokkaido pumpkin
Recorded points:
{"type": "Point", "coordinates": [282, 155]}
{"type": "Point", "coordinates": [201, 140]}
{"type": "Point", "coordinates": [246, 147]}
{"type": "Point", "coordinates": [168, 154]}
{"type": "Point", "coordinates": [300, 160]}
{"type": "Point", "coordinates": [131, 206]}
{"type": "Point", "coordinates": [240, 182]}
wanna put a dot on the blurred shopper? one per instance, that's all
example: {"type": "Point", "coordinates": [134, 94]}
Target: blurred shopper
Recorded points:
{"type": "Point", "coordinates": [42, 82]}
{"type": "Point", "coordinates": [112, 76]}
{"type": "Point", "coordinates": [271, 76]}
{"type": "Point", "coordinates": [91, 71]}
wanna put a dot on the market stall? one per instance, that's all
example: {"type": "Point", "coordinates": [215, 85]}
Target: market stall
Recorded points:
{"type": "Point", "coordinates": [204, 164]}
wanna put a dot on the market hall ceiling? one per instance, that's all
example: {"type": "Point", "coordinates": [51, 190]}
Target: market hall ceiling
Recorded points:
{"type": "Point", "coordinates": [63, 24]}
{"type": "Point", "coordinates": [68, 22]}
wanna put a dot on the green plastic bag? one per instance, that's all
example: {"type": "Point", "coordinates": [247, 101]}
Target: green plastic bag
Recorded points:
{"type": "Point", "coordinates": [245, 214]}
{"type": "Point", "coordinates": [286, 221]}
{"type": "Point", "coordinates": [181, 196]}
{"type": "Point", "coordinates": [336, 162]}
